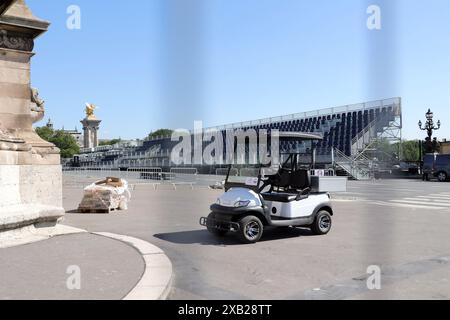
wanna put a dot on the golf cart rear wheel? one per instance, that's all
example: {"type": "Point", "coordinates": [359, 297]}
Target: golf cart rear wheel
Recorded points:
{"type": "Point", "coordinates": [442, 176]}
{"type": "Point", "coordinates": [322, 223]}
{"type": "Point", "coordinates": [251, 229]}
{"type": "Point", "coordinates": [211, 228]}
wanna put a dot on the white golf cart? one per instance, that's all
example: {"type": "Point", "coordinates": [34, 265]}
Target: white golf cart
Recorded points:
{"type": "Point", "coordinates": [283, 199]}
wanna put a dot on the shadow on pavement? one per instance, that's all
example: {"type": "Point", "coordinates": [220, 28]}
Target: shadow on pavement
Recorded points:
{"type": "Point", "coordinates": [203, 237]}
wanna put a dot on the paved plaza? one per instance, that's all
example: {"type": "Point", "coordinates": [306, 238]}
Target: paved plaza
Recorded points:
{"type": "Point", "coordinates": [116, 209]}
{"type": "Point", "coordinates": [400, 225]}
{"type": "Point", "coordinates": [40, 270]}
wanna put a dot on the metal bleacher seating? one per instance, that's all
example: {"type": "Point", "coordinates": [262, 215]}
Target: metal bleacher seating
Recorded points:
{"type": "Point", "coordinates": [340, 126]}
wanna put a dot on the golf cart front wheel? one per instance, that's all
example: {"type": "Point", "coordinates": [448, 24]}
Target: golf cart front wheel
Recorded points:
{"type": "Point", "coordinates": [251, 229]}
{"type": "Point", "coordinates": [211, 227]}
{"type": "Point", "coordinates": [322, 223]}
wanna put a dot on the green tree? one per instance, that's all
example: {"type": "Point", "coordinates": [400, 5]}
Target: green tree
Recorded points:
{"type": "Point", "coordinates": [62, 140]}
{"type": "Point", "coordinates": [410, 150]}
{"type": "Point", "coordinates": [45, 133]}
{"type": "Point", "coordinates": [385, 150]}
{"type": "Point", "coordinates": [66, 143]}
{"type": "Point", "coordinates": [160, 133]}
{"type": "Point", "coordinates": [109, 142]}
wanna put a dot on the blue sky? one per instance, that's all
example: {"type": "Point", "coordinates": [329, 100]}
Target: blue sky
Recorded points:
{"type": "Point", "coordinates": [166, 63]}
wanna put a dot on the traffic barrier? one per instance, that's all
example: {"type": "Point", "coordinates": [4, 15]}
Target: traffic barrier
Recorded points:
{"type": "Point", "coordinates": [322, 172]}
{"type": "Point", "coordinates": [184, 171]}
{"type": "Point", "coordinates": [145, 173]}
{"type": "Point", "coordinates": [224, 171]}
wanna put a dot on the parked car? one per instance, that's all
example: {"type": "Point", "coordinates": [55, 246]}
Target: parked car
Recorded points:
{"type": "Point", "coordinates": [437, 165]}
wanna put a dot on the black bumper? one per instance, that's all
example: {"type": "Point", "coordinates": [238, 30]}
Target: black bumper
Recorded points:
{"type": "Point", "coordinates": [220, 224]}
{"type": "Point", "coordinates": [226, 217]}
{"type": "Point", "coordinates": [231, 211]}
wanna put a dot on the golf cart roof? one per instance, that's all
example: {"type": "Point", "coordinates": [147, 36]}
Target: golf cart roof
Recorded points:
{"type": "Point", "coordinates": [298, 136]}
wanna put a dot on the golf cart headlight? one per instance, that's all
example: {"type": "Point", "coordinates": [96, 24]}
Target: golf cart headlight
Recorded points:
{"type": "Point", "coordinates": [240, 204]}
{"type": "Point", "coordinates": [218, 201]}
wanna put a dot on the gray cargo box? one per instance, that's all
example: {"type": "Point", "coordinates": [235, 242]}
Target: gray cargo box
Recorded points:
{"type": "Point", "coordinates": [328, 184]}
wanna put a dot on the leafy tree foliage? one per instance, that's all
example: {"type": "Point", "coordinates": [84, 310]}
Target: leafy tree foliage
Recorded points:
{"type": "Point", "coordinates": [109, 142]}
{"type": "Point", "coordinates": [45, 133]}
{"type": "Point", "coordinates": [63, 140]}
{"type": "Point", "coordinates": [160, 133]}
{"type": "Point", "coordinates": [410, 149]}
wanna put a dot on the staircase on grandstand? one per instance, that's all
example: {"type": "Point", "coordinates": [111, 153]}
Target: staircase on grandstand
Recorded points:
{"type": "Point", "coordinates": [386, 125]}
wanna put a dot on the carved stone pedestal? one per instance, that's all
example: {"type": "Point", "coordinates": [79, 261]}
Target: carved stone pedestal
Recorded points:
{"type": "Point", "coordinates": [30, 170]}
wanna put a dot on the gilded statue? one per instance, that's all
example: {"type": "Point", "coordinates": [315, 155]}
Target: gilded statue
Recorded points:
{"type": "Point", "coordinates": [90, 108]}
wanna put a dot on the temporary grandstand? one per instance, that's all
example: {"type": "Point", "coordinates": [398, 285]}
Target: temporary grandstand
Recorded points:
{"type": "Point", "coordinates": [350, 132]}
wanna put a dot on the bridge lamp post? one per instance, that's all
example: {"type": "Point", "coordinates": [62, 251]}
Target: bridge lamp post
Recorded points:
{"type": "Point", "coordinates": [429, 128]}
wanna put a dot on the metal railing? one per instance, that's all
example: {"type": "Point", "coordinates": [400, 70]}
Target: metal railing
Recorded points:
{"type": "Point", "coordinates": [144, 173]}
{"type": "Point", "coordinates": [184, 171]}
{"type": "Point", "coordinates": [358, 169]}
{"type": "Point", "coordinates": [224, 171]}
{"type": "Point", "coordinates": [364, 137]}
{"type": "Point", "coordinates": [92, 171]}
{"type": "Point", "coordinates": [394, 102]}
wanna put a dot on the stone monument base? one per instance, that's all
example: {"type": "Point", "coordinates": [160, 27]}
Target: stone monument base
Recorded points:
{"type": "Point", "coordinates": [30, 194]}
{"type": "Point", "coordinates": [33, 233]}
{"type": "Point", "coordinates": [30, 170]}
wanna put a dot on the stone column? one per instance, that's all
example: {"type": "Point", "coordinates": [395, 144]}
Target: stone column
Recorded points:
{"type": "Point", "coordinates": [30, 170]}
{"type": "Point", "coordinates": [90, 128]}
{"type": "Point", "coordinates": [95, 138]}
{"type": "Point", "coordinates": [85, 137]}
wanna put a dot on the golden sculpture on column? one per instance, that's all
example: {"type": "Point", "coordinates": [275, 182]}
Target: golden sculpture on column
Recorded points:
{"type": "Point", "coordinates": [90, 108]}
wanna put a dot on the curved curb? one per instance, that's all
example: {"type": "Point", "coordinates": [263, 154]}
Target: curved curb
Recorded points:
{"type": "Point", "coordinates": [35, 233]}
{"type": "Point", "coordinates": [156, 281]}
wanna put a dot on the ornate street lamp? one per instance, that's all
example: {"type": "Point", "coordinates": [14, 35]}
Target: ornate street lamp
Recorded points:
{"type": "Point", "coordinates": [429, 128]}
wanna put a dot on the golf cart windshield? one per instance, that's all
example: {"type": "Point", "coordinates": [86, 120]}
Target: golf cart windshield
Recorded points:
{"type": "Point", "coordinates": [301, 156]}
{"type": "Point", "coordinates": [247, 177]}
{"type": "Point", "coordinates": [301, 149]}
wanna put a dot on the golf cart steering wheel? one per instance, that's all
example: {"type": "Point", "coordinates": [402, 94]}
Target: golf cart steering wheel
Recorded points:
{"type": "Point", "coordinates": [270, 180]}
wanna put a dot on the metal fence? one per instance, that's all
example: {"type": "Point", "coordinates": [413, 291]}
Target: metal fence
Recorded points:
{"type": "Point", "coordinates": [94, 171]}
{"type": "Point", "coordinates": [176, 178]}
{"type": "Point", "coordinates": [154, 173]}
{"type": "Point", "coordinates": [224, 172]}
{"type": "Point", "coordinates": [184, 171]}
{"type": "Point", "coordinates": [135, 173]}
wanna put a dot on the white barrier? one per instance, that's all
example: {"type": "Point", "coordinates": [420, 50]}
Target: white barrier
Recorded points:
{"type": "Point", "coordinates": [92, 171]}
{"type": "Point", "coordinates": [322, 172]}
{"type": "Point", "coordinates": [154, 173]}
{"type": "Point", "coordinates": [224, 172]}
{"type": "Point", "coordinates": [184, 171]}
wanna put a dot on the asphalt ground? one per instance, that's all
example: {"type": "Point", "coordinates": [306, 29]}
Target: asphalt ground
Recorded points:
{"type": "Point", "coordinates": [401, 226]}
{"type": "Point", "coordinates": [69, 267]}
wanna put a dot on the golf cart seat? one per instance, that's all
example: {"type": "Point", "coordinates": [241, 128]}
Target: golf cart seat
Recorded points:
{"type": "Point", "coordinates": [281, 180]}
{"type": "Point", "coordinates": [279, 196]}
{"type": "Point", "coordinates": [298, 188]}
